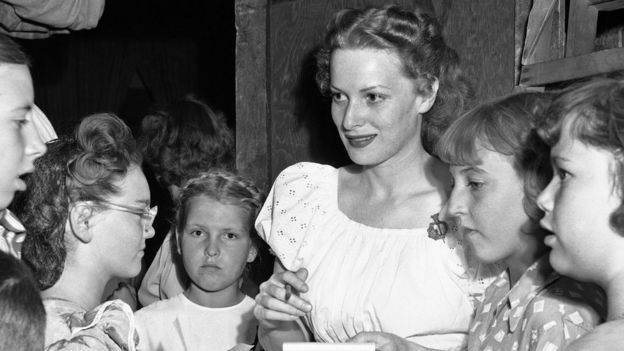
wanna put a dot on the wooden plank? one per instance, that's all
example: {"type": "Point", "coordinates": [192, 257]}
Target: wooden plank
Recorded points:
{"type": "Point", "coordinates": [581, 28]}
{"type": "Point", "coordinates": [573, 67]}
{"type": "Point", "coordinates": [608, 5]}
{"type": "Point", "coordinates": [483, 35]}
{"type": "Point", "coordinates": [252, 111]}
{"type": "Point", "coordinates": [538, 30]}
{"type": "Point", "coordinates": [521, 18]}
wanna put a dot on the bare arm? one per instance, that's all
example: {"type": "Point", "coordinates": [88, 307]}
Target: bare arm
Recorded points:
{"type": "Point", "coordinates": [277, 310]}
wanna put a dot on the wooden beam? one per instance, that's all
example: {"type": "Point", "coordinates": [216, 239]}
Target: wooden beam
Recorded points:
{"type": "Point", "coordinates": [608, 5]}
{"type": "Point", "coordinates": [252, 111]}
{"type": "Point", "coordinates": [573, 67]}
{"type": "Point", "coordinates": [581, 28]}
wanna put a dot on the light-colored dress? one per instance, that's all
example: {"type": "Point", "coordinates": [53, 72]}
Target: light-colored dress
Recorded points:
{"type": "Point", "coordinates": [543, 311]}
{"type": "Point", "coordinates": [108, 327]}
{"type": "Point", "coordinates": [363, 278]}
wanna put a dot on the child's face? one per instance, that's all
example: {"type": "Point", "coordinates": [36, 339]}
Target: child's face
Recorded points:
{"type": "Point", "coordinates": [19, 142]}
{"type": "Point", "coordinates": [487, 199]}
{"type": "Point", "coordinates": [577, 203]}
{"type": "Point", "coordinates": [215, 244]}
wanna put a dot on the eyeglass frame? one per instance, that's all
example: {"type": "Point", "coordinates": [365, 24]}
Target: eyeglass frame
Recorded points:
{"type": "Point", "coordinates": [148, 214]}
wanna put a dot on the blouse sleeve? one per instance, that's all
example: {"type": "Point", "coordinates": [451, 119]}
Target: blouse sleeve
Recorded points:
{"type": "Point", "coordinates": [286, 219]}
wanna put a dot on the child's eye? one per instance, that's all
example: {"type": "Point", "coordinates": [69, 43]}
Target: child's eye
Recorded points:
{"type": "Point", "coordinates": [373, 98]}
{"type": "Point", "coordinates": [196, 233]}
{"type": "Point", "coordinates": [474, 185]}
{"type": "Point", "coordinates": [20, 122]}
{"type": "Point", "coordinates": [562, 173]}
{"type": "Point", "coordinates": [338, 97]}
{"type": "Point", "coordinates": [231, 236]}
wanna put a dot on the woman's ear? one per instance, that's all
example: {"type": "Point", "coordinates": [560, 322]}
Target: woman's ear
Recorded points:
{"type": "Point", "coordinates": [427, 101]}
{"type": "Point", "coordinates": [253, 252]}
{"type": "Point", "coordinates": [79, 217]}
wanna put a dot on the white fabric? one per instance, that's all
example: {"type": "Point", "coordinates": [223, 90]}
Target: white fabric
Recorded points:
{"type": "Point", "coordinates": [42, 125]}
{"type": "Point", "coordinates": [31, 19]}
{"type": "Point", "coordinates": [363, 278]}
{"type": "Point", "coordinates": [179, 324]}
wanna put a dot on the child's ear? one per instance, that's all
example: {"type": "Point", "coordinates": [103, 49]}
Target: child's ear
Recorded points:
{"type": "Point", "coordinates": [253, 252]}
{"type": "Point", "coordinates": [178, 242]}
{"type": "Point", "coordinates": [79, 216]}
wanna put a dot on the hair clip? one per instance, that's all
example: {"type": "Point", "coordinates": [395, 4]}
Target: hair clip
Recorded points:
{"type": "Point", "coordinates": [437, 229]}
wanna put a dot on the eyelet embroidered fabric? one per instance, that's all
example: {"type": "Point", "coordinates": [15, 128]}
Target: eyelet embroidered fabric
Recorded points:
{"type": "Point", "coordinates": [364, 278]}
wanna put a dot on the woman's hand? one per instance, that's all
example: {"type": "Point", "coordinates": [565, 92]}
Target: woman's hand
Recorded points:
{"type": "Point", "coordinates": [279, 301]}
{"type": "Point", "coordinates": [386, 342]}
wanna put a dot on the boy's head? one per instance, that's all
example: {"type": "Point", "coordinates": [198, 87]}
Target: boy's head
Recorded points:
{"type": "Point", "coordinates": [22, 316]}
{"type": "Point", "coordinates": [214, 229]}
{"type": "Point", "coordinates": [583, 201]}
{"type": "Point", "coordinates": [20, 144]}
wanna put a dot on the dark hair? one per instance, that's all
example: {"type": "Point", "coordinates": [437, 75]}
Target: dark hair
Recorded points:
{"type": "Point", "coordinates": [11, 53]}
{"type": "Point", "coordinates": [224, 187]}
{"type": "Point", "coordinates": [417, 39]}
{"type": "Point", "coordinates": [22, 315]}
{"type": "Point", "coordinates": [506, 126]}
{"type": "Point", "coordinates": [82, 168]}
{"type": "Point", "coordinates": [185, 139]}
{"type": "Point", "coordinates": [594, 112]}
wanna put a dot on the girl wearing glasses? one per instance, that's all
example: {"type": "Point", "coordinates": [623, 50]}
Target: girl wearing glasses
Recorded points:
{"type": "Point", "coordinates": [87, 213]}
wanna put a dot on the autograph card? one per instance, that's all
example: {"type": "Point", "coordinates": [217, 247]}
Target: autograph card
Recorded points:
{"type": "Point", "coordinates": [314, 346]}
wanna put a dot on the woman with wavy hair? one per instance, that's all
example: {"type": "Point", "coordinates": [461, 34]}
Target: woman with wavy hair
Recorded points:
{"type": "Point", "coordinates": [87, 211]}
{"type": "Point", "coordinates": [355, 258]}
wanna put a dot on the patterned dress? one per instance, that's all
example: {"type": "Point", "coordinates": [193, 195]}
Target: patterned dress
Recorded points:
{"type": "Point", "coordinates": [364, 278]}
{"type": "Point", "coordinates": [108, 327]}
{"type": "Point", "coordinates": [543, 311]}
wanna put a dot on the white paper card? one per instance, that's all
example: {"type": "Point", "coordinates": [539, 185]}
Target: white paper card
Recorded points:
{"type": "Point", "coordinates": [316, 346]}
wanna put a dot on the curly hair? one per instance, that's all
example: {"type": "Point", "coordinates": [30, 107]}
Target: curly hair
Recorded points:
{"type": "Point", "coordinates": [185, 139]}
{"type": "Point", "coordinates": [594, 111]}
{"type": "Point", "coordinates": [80, 168]}
{"type": "Point", "coordinates": [417, 39]}
{"type": "Point", "coordinates": [224, 187]}
{"type": "Point", "coordinates": [506, 126]}
{"type": "Point", "coordinates": [11, 53]}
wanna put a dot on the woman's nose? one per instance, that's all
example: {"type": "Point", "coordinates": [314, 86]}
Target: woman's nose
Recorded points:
{"type": "Point", "coordinates": [352, 116]}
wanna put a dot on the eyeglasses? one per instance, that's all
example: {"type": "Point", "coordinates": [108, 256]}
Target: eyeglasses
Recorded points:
{"type": "Point", "coordinates": [147, 214]}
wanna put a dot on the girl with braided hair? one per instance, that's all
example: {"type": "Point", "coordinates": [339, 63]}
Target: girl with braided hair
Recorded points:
{"type": "Point", "coordinates": [217, 242]}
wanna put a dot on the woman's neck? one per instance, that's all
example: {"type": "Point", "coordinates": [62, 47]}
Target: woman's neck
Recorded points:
{"type": "Point", "coordinates": [416, 172]}
{"type": "Point", "coordinates": [78, 285]}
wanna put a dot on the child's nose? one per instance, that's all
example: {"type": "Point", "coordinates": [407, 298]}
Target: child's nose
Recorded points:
{"type": "Point", "coordinates": [212, 248]}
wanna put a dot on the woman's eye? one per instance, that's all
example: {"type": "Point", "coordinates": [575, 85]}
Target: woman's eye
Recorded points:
{"type": "Point", "coordinates": [375, 98]}
{"type": "Point", "coordinates": [562, 174]}
{"type": "Point", "coordinates": [338, 97]}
